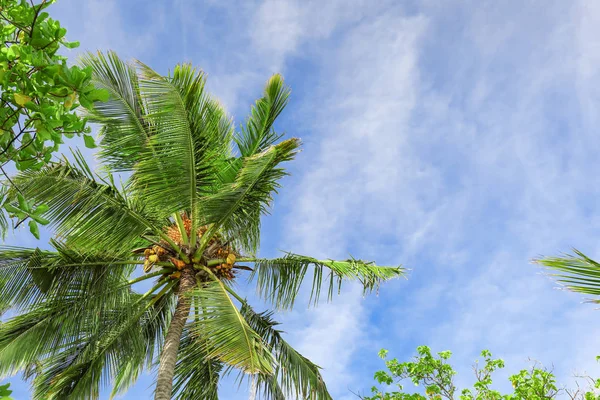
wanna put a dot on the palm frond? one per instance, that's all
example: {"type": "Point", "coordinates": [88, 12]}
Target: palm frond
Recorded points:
{"type": "Point", "coordinates": [258, 134]}
{"type": "Point", "coordinates": [237, 207]}
{"type": "Point", "coordinates": [279, 279]}
{"type": "Point", "coordinates": [125, 131]}
{"type": "Point", "coordinates": [190, 141]}
{"type": "Point", "coordinates": [60, 318]}
{"type": "Point", "coordinates": [268, 388]}
{"type": "Point", "coordinates": [29, 276]}
{"type": "Point", "coordinates": [196, 375]}
{"type": "Point", "coordinates": [296, 376]}
{"type": "Point", "coordinates": [115, 349]}
{"type": "Point", "coordinates": [88, 213]}
{"type": "Point", "coordinates": [154, 324]}
{"type": "Point", "coordinates": [225, 335]}
{"type": "Point", "coordinates": [577, 272]}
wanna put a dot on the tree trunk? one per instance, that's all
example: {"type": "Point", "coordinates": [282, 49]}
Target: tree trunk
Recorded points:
{"type": "Point", "coordinates": [168, 357]}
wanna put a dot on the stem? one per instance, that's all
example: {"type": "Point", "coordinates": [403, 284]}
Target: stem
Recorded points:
{"type": "Point", "coordinates": [204, 240]}
{"type": "Point", "coordinates": [234, 294]}
{"type": "Point", "coordinates": [168, 356]}
{"type": "Point", "coordinates": [148, 276]}
{"type": "Point", "coordinates": [174, 246]}
{"type": "Point", "coordinates": [179, 222]}
{"type": "Point", "coordinates": [218, 261]}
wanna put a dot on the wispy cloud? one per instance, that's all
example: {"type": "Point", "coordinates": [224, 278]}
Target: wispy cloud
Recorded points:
{"type": "Point", "coordinates": [459, 138]}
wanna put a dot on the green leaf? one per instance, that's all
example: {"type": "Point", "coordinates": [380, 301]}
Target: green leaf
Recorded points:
{"type": "Point", "coordinates": [4, 391]}
{"type": "Point", "coordinates": [296, 374]}
{"type": "Point", "coordinates": [71, 45]}
{"type": "Point", "coordinates": [577, 272]}
{"type": "Point", "coordinates": [39, 220]}
{"type": "Point", "coordinates": [13, 210]}
{"type": "Point", "coordinates": [40, 209]}
{"type": "Point", "coordinates": [33, 228]}
{"type": "Point", "coordinates": [258, 135]}
{"type": "Point", "coordinates": [237, 207]}
{"type": "Point", "coordinates": [89, 142]}
{"type": "Point", "coordinates": [23, 204]}
{"type": "Point", "coordinates": [87, 212]}
{"type": "Point", "coordinates": [98, 95]}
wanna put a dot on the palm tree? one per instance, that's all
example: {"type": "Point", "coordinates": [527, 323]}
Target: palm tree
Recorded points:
{"type": "Point", "coordinates": [189, 212]}
{"type": "Point", "coordinates": [576, 272]}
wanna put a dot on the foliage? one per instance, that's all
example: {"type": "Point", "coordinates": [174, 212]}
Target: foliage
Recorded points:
{"type": "Point", "coordinates": [189, 213]}
{"type": "Point", "coordinates": [39, 92]}
{"type": "Point", "coordinates": [5, 392]}
{"type": "Point", "coordinates": [576, 272]}
{"type": "Point", "coordinates": [436, 376]}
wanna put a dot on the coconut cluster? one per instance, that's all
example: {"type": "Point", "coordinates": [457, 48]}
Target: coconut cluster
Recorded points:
{"type": "Point", "coordinates": [216, 249]}
{"type": "Point", "coordinates": [225, 270]}
{"type": "Point", "coordinates": [153, 255]}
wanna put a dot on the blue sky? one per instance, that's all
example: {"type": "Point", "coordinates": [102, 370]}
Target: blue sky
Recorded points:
{"type": "Point", "coordinates": [457, 138]}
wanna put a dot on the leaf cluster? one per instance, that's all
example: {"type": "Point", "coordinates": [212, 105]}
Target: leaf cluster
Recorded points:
{"type": "Point", "coordinates": [435, 376]}
{"type": "Point", "coordinates": [39, 91]}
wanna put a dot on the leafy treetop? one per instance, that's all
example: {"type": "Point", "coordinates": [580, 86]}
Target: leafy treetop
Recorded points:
{"type": "Point", "coordinates": [39, 92]}
{"type": "Point", "coordinates": [436, 376]}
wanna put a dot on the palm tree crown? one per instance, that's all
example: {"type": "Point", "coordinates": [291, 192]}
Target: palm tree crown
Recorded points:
{"type": "Point", "coordinates": [189, 213]}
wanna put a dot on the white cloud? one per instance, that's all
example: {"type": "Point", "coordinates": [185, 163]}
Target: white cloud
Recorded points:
{"type": "Point", "coordinates": [464, 149]}
{"type": "Point", "coordinates": [366, 97]}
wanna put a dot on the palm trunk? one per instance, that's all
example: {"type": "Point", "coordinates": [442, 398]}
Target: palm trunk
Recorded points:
{"type": "Point", "coordinates": [168, 357]}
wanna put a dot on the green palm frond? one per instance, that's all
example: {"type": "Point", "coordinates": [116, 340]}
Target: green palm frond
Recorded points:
{"type": "Point", "coordinates": [196, 375]}
{"type": "Point", "coordinates": [65, 314]}
{"type": "Point", "coordinates": [125, 131]}
{"type": "Point", "coordinates": [295, 374]}
{"type": "Point", "coordinates": [279, 280]}
{"type": "Point", "coordinates": [258, 134]}
{"type": "Point", "coordinates": [87, 212]}
{"type": "Point", "coordinates": [190, 142]}
{"type": "Point", "coordinates": [237, 207]}
{"type": "Point", "coordinates": [577, 272]}
{"type": "Point", "coordinates": [225, 334]}
{"type": "Point", "coordinates": [80, 322]}
{"type": "Point", "coordinates": [268, 388]}
{"type": "Point", "coordinates": [154, 324]}
{"type": "Point", "coordinates": [30, 276]}
{"type": "Point", "coordinates": [115, 348]}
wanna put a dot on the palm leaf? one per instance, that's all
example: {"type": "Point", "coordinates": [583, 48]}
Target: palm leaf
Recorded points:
{"type": "Point", "coordinates": [196, 375]}
{"type": "Point", "coordinates": [225, 334]}
{"type": "Point", "coordinates": [30, 276]}
{"type": "Point", "coordinates": [268, 388]}
{"type": "Point", "coordinates": [89, 213]}
{"type": "Point", "coordinates": [190, 142]}
{"type": "Point", "coordinates": [257, 135]}
{"type": "Point", "coordinates": [295, 375]}
{"type": "Point", "coordinates": [237, 207]}
{"type": "Point", "coordinates": [577, 272]}
{"type": "Point", "coordinates": [124, 131]}
{"type": "Point", "coordinates": [61, 316]}
{"type": "Point", "coordinates": [154, 325]}
{"type": "Point", "coordinates": [279, 279]}
{"type": "Point", "coordinates": [115, 348]}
